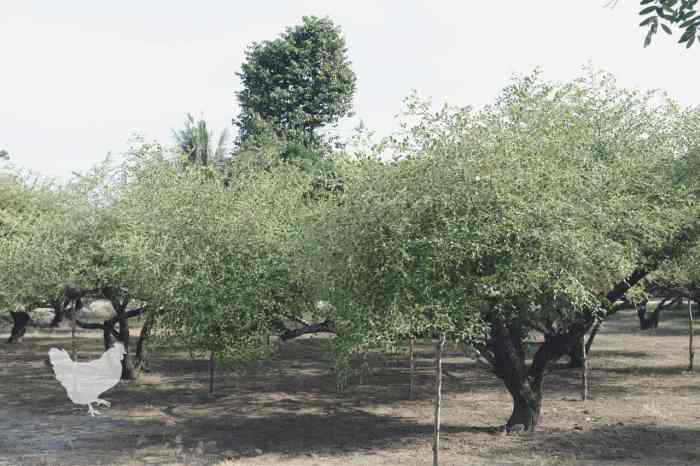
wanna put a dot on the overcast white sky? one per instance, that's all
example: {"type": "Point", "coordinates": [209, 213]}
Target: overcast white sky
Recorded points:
{"type": "Point", "coordinates": [79, 77]}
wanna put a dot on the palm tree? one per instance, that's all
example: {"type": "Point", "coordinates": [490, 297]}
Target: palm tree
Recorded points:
{"type": "Point", "coordinates": [195, 141]}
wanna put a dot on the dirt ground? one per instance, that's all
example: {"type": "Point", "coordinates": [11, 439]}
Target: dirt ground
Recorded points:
{"type": "Point", "coordinates": [644, 409]}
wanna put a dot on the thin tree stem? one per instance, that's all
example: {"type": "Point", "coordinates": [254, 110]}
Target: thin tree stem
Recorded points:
{"type": "Point", "coordinates": [211, 372]}
{"type": "Point", "coordinates": [412, 368]}
{"type": "Point", "coordinates": [691, 351]}
{"type": "Point", "coordinates": [438, 398]}
{"type": "Point", "coordinates": [584, 371]}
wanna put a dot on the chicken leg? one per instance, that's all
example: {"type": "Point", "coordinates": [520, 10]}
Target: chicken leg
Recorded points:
{"type": "Point", "coordinates": [92, 411]}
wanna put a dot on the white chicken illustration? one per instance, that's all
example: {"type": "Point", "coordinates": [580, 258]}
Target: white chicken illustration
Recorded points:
{"type": "Point", "coordinates": [86, 381]}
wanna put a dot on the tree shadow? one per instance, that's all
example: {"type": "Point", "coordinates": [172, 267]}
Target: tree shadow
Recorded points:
{"type": "Point", "coordinates": [644, 370]}
{"type": "Point", "coordinates": [335, 432]}
{"type": "Point", "coordinates": [616, 444]}
{"type": "Point", "coordinates": [610, 353]}
{"type": "Point", "coordinates": [673, 322]}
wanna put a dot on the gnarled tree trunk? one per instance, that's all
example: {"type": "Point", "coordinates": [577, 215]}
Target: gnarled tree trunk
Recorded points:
{"type": "Point", "coordinates": [506, 343]}
{"type": "Point", "coordinates": [524, 384]}
{"type": "Point", "coordinates": [576, 354]}
{"type": "Point", "coordinates": [59, 310]}
{"type": "Point", "coordinates": [20, 321]}
{"type": "Point", "coordinates": [527, 407]}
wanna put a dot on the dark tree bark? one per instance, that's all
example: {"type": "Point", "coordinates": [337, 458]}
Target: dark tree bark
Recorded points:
{"type": "Point", "coordinates": [506, 350]}
{"type": "Point", "coordinates": [506, 343]}
{"type": "Point", "coordinates": [20, 321]}
{"type": "Point", "coordinates": [128, 371]}
{"type": "Point", "coordinates": [140, 358]}
{"type": "Point", "coordinates": [594, 332]}
{"type": "Point", "coordinates": [59, 308]}
{"type": "Point", "coordinates": [288, 334]}
{"type": "Point", "coordinates": [576, 355]}
{"type": "Point", "coordinates": [646, 322]}
{"type": "Point", "coordinates": [108, 334]}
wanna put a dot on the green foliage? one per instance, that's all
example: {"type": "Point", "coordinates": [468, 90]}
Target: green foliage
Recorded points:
{"type": "Point", "coordinates": [527, 211]}
{"type": "Point", "coordinates": [217, 260]}
{"type": "Point", "coordinates": [679, 14]}
{"type": "Point", "coordinates": [297, 83]}
{"type": "Point", "coordinates": [54, 236]}
{"type": "Point", "coordinates": [196, 142]}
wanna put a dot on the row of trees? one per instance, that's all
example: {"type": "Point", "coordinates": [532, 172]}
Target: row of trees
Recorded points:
{"type": "Point", "coordinates": [533, 215]}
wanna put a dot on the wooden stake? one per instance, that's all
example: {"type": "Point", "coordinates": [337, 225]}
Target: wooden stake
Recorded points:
{"type": "Point", "coordinates": [412, 368]}
{"type": "Point", "coordinates": [438, 398]}
{"type": "Point", "coordinates": [211, 372]}
{"type": "Point", "coordinates": [584, 371]}
{"type": "Point", "coordinates": [691, 351]}
{"type": "Point", "coordinates": [77, 306]}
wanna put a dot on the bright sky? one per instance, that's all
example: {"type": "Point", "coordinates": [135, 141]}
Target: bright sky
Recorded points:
{"type": "Point", "coordinates": [79, 77]}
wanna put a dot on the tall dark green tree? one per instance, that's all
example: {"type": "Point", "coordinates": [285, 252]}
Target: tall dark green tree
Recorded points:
{"type": "Point", "coordinates": [297, 83]}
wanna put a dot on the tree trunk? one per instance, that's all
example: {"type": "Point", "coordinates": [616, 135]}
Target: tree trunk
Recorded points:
{"type": "Point", "coordinates": [107, 334]}
{"type": "Point", "coordinates": [412, 368]}
{"type": "Point", "coordinates": [576, 355]}
{"type": "Point", "coordinates": [438, 399]}
{"type": "Point", "coordinates": [59, 312]}
{"type": "Point", "coordinates": [20, 321]}
{"type": "Point", "coordinates": [506, 343]}
{"type": "Point", "coordinates": [128, 371]}
{"type": "Point", "coordinates": [594, 332]}
{"type": "Point", "coordinates": [527, 406]}
{"type": "Point", "coordinates": [140, 359]}
{"type": "Point", "coordinates": [652, 321]}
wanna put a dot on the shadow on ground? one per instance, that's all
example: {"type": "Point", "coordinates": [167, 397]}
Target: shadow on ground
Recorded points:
{"type": "Point", "coordinates": [638, 444]}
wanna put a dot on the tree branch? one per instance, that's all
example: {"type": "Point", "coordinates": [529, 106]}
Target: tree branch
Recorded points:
{"type": "Point", "coordinates": [325, 326]}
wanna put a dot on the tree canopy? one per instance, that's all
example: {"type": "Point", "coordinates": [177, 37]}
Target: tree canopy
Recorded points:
{"type": "Point", "coordinates": [296, 83]}
{"type": "Point", "coordinates": [218, 260]}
